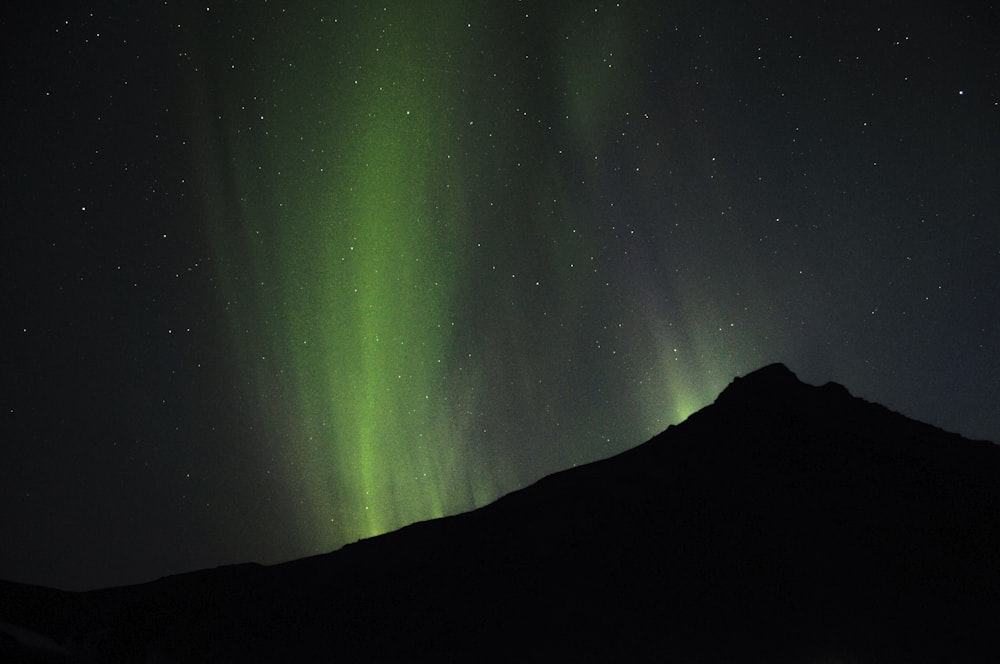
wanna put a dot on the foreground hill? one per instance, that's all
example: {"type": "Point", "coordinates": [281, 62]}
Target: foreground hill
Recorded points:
{"type": "Point", "coordinates": [784, 522]}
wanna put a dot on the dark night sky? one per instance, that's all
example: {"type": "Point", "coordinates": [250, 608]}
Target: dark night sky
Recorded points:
{"type": "Point", "coordinates": [281, 275]}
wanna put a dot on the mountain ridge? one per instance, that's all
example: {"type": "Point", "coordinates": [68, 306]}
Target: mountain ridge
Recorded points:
{"type": "Point", "coordinates": [794, 520]}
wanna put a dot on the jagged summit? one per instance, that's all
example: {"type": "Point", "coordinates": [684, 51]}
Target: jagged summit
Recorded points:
{"type": "Point", "coordinates": [771, 373]}
{"type": "Point", "coordinates": [776, 388]}
{"type": "Point", "coordinates": [773, 380]}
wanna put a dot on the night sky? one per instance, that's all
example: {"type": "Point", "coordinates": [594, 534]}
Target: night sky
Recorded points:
{"type": "Point", "coordinates": [278, 276]}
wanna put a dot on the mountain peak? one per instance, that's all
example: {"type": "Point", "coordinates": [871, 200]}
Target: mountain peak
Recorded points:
{"type": "Point", "coordinates": [776, 388]}
{"type": "Point", "coordinates": [772, 379]}
{"type": "Point", "coordinates": [775, 372]}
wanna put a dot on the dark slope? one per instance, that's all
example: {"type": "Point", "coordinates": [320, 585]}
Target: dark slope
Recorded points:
{"type": "Point", "coordinates": [785, 522]}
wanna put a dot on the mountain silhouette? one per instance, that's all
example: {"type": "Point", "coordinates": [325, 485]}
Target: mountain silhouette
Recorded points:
{"type": "Point", "coordinates": [783, 523]}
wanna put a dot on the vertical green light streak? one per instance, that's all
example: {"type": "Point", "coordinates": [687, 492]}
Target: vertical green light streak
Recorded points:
{"type": "Point", "coordinates": [386, 284]}
{"type": "Point", "coordinates": [401, 307]}
{"type": "Point", "coordinates": [342, 255]}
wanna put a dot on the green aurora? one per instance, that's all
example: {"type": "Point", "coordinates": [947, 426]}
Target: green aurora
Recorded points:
{"type": "Point", "coordinates": [403, 208]}
{"type": "Point", "coordinates": [282, 275]}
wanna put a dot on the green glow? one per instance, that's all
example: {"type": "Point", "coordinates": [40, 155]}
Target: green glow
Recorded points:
{"type": "Point", "coordinates": [415, 260]}
{"type": "Point", "coordinates": [346, 260]}
{"type": "Point", "coordinates": [382, 294]}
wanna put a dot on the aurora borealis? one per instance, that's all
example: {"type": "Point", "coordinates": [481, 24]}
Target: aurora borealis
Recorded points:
{"type": "Point", "coordinates": [285, 274]}
{"type": "Point", "coordinates": [380, 223]}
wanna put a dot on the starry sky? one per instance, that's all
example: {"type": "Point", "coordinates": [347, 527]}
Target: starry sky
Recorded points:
{"type": "Point", "coordinates": [278, 276]}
